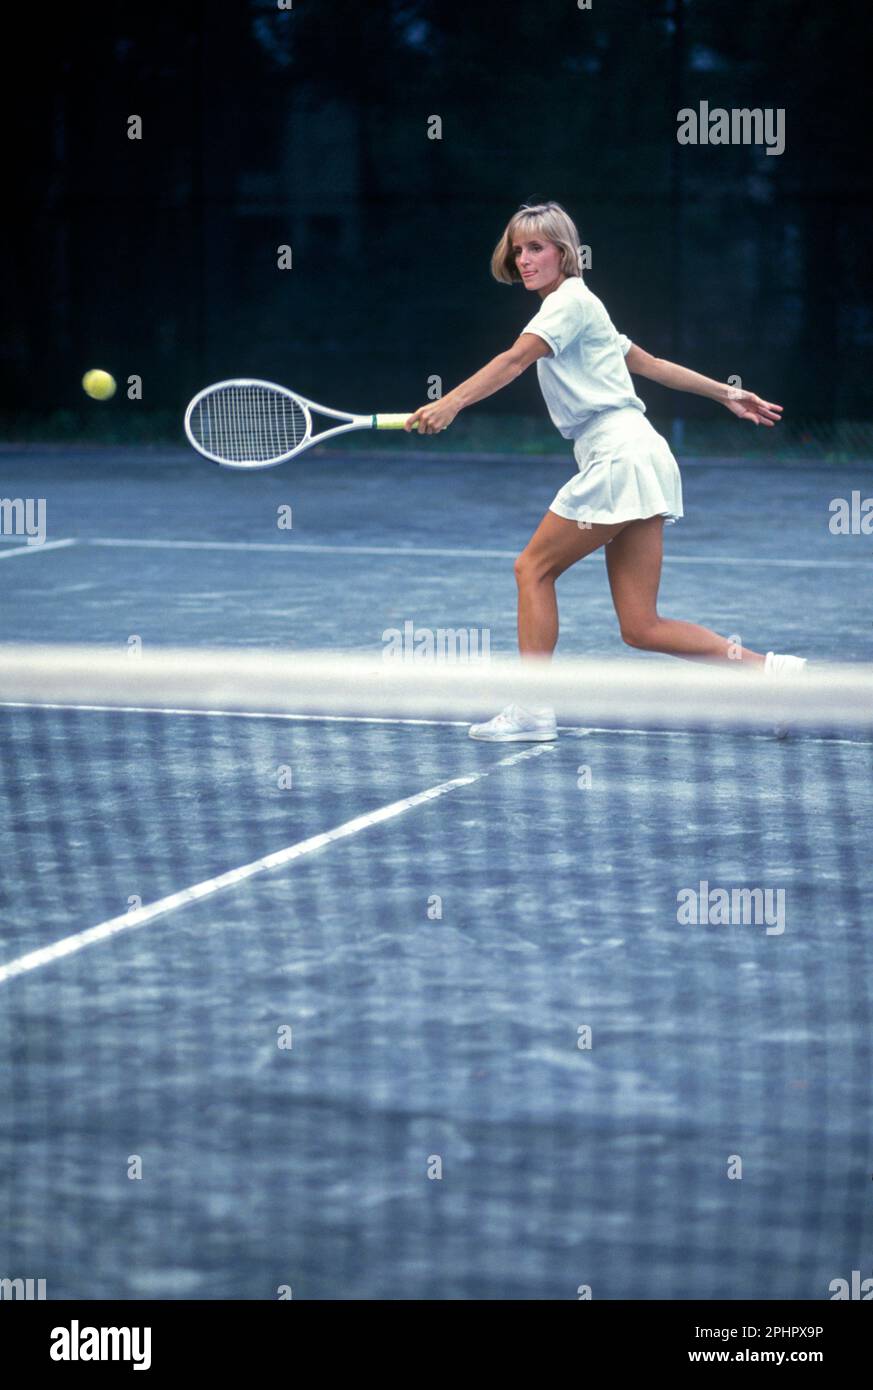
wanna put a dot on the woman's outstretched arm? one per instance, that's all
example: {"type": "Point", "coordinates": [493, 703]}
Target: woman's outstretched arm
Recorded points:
{"type": "Point", "coordinates": [496, 374]}
{"type": "Point", "coordinates": [745, 404]}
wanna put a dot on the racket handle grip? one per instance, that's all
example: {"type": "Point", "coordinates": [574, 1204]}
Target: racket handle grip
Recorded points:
{"type": "Point", "coordinates": [391, 422]}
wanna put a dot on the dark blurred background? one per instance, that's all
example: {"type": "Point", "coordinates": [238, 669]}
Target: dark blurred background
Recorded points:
{"type": "Point", "coordinates": [308, 127]}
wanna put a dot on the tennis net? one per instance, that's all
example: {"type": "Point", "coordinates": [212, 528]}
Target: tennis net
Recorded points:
{"type": "Point", "coordinates": [301, 989]}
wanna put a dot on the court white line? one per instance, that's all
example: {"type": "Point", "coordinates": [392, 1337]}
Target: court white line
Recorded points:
{"type": "Point", "coordinates": [240, 714]}
{"type": "Point", "coordinates": [766, 561]}
{"type": "Point", "coordinates": [35, 549]}
{"type": "Point", "coordinates": [293, 548]}
{"type": "Point", "coordinates": [570, 730]}
{"type": "Point", "coordinates": [128, 921]}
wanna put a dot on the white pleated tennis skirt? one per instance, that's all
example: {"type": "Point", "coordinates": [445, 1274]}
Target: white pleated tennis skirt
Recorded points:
{"type": "Point", "coordinates": [627, 472]}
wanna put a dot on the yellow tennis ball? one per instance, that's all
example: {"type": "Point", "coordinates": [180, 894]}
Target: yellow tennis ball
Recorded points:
{"type": "Point", "coordinates": [98, 385]}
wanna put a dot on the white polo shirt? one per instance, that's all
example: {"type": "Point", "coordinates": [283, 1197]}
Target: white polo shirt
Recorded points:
{"type": "Point", "coordinates": [587, 372]}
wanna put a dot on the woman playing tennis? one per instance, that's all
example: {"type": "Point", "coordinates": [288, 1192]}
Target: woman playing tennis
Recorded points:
{"type": "Point", "coordinates": [628, 482]}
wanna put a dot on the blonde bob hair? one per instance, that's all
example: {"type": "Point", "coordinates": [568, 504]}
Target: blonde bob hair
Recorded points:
{"type": "Point", "coordinates": [552, 223]}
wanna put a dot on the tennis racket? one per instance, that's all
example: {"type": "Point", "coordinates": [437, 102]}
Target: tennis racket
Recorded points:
{"type": "Point", "coordinates": [256, 424]}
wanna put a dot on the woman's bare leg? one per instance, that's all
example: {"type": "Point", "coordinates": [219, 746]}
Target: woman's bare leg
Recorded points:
{"type": "Point", "coordinates": [555, 545]}
{"type": "Point", "coordinates": [633, 563]}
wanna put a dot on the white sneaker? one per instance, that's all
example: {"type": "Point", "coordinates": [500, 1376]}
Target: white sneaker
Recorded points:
{"type": "Point", "coordinates": [779, 667]}
{"type": "Point", "coordinates": [518, 725]}
{"type": "Point", "coordinates": [783, 665]}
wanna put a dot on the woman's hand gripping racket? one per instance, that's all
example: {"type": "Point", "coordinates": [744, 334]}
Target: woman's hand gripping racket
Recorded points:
{"type": "Point", "coordinates": [256, 424]}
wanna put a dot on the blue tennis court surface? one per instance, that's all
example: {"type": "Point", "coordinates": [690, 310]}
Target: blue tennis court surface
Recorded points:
{"type": "Point", "coordinates": [512, 1070]}
{"type": "Point", "coordinates": [753, 555]}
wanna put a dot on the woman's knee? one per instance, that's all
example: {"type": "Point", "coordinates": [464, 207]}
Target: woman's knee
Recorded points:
{"type": "Point", "coordinates": [640, 632]}
{"type": "Point", "coordinates": [538, 566]}
{"type": "Point", "coordinates": [528, 570]}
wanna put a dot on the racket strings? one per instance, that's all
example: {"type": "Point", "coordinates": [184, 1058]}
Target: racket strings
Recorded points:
{"type": "Point", "coordinates": [248, 423]}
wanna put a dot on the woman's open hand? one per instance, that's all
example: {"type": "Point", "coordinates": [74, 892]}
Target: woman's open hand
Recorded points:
{"type": "Point", "coordinates": [747, 406]}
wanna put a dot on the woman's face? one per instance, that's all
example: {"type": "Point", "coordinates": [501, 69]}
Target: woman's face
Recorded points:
{"type": "Point", "coordinates": [538, 262]}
